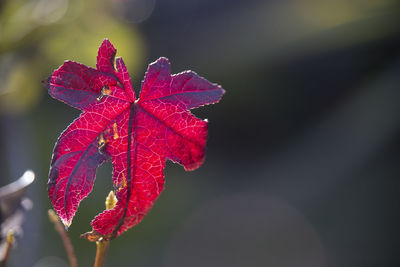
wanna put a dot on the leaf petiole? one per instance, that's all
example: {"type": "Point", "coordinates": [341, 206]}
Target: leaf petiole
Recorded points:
{"type": "Point", "coordinates": [101, 253]}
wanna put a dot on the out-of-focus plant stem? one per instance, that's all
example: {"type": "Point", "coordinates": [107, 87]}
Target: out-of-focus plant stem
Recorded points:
{"type": "Point", "coordinates": [10, 241]}
{"type": "Point", "coordinates": [64, 236]}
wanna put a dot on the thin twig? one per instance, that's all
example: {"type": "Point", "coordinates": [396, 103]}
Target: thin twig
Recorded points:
{"type": "Point", "coordinates": [73, 262]}
{"type": "Point", "coordinates": [10, 241]}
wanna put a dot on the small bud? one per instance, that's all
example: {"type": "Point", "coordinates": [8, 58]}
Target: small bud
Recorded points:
{"type": "Point", "coordinates": [111, 200]}
{"type": "Point", "coordinates": [52, 216]}
{"type": "Point", "coordinates": [10, 236]}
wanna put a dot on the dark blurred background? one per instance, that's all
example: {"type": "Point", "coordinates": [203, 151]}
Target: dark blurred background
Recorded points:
{"type": "Point", "coordinates": [303, 155]}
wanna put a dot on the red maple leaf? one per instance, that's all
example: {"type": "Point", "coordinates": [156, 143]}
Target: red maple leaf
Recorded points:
{"type": "Point", "coordinates": [138, 135]}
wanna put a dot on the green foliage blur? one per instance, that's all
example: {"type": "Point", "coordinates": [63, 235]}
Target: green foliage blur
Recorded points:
{"type": "Point", "coordinates": [37, 36]}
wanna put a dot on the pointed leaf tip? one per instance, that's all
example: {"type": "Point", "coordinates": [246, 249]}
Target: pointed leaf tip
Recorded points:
{"type": "Point", "coordinates": [106, 57]}
{"type": "Point", "coordinates": [66, 223]}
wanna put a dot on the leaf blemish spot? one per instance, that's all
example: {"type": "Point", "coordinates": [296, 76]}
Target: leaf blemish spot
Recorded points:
{"type": "Point", "coordinates": [115, 130]}
{"type": "Point", "coordinates": [114, 64]}
{"type": "Point", "coordinates": [101, 143]}
{"type": "Point", "coordinates": [122, 184]}
{"type": "Point", "coordinates": [104, 91]}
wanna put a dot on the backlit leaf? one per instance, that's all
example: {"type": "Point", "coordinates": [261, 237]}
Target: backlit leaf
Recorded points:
{"type": "Point", "coordinates": [137, 135]}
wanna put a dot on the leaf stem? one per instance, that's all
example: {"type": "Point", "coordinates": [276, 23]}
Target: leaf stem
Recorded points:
{"type": "Point", "coordinates": [10, 241]}
{"type": "Point", "coordinates": [73, 262]}
{"type": "Point", "coordinates": [102, 244]}
{"type": "Point", "coordinates": [101, 253]}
